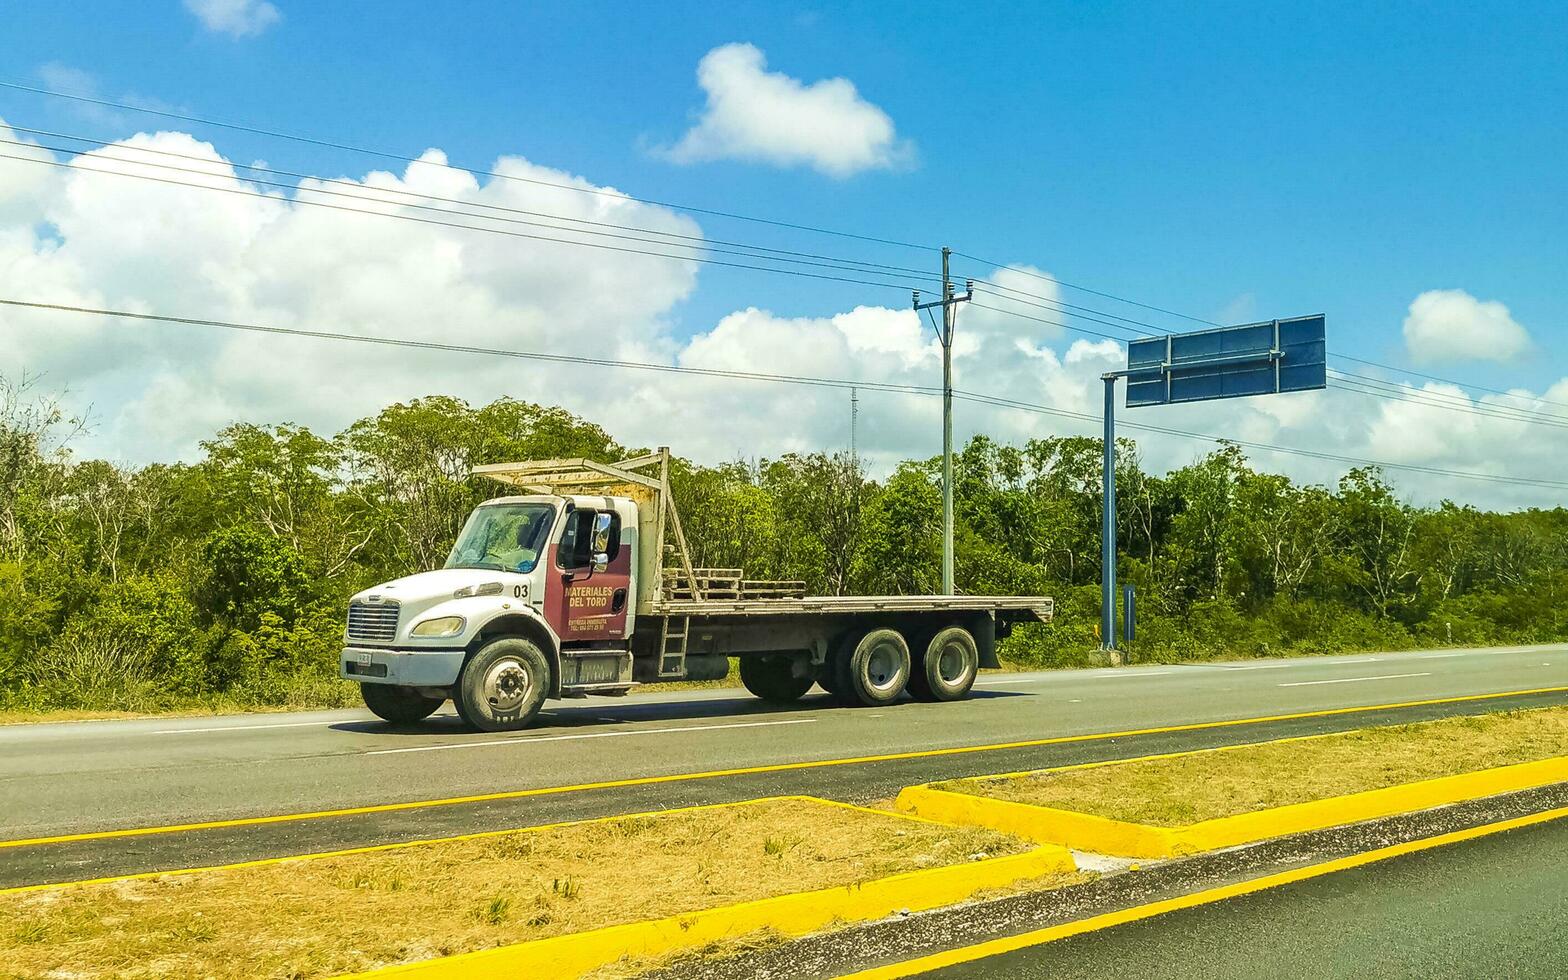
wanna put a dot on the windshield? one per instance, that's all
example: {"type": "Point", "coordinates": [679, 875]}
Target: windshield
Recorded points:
{"type": "Point", "coordinates": [505, 537]}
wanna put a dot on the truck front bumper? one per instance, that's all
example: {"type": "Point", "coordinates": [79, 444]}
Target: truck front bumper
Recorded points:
{"type": "Point", "coordinates": [406, 668]}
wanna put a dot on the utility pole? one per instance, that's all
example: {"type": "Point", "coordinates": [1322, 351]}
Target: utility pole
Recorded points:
{"type": "Point", "coordinates": [949, 304]}
{"type": "Point", "coordinates": [854, 419]}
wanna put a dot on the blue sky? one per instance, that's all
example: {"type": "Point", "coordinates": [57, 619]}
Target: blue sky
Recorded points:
{"type": "Point", "coordinates": [1228, 160]}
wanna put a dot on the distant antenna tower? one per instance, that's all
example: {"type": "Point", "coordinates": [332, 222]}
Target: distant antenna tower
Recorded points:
{"type": "Point", "coordinates": [854, 419]}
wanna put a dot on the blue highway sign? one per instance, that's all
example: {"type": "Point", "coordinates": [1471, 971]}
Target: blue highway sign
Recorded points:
{"type": "Point", "coordinates": [1229, 362]}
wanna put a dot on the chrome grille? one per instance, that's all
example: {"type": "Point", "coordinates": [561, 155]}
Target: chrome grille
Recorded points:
{"type": "Point", "coordinates": [373, 621]}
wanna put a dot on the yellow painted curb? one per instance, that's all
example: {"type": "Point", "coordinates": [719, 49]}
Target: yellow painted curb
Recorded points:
{"type": "Point", "coordinates": [1086, 832]}
{"type": "Point", "coordinates": [1043, 825]}
{"type": "Point", "coordinates": [574, 954]}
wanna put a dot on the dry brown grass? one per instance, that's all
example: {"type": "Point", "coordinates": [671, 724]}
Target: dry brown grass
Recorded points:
{"type": "Point", "coordinates": [326, 916]}
{"type": "Point", "coordinates": [1206, 785]}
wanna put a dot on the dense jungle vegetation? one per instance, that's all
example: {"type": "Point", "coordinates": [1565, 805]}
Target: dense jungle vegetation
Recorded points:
{"type": "Point", "coordinates": [223, 582]}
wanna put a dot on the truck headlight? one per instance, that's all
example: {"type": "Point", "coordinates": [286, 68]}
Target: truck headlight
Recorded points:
{"type": "Point", "coordinates": [441, 626]}
{"type": "Point", "coordinates": [489, 588]}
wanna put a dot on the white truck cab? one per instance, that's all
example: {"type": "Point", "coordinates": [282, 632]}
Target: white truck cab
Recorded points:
{"type": "Point", "coordinates": [553, 571]}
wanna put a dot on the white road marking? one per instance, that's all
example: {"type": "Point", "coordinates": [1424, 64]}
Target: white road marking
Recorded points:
{"type": "Point", "coordinates": [567, 738]}
{"type": "Point", "coordinates": [1351, 680]}
{"type": "Point", "coordinates": [1047, 680]}
{"type": "Point", "coordinates": [1258, 666]}
{"type": "Point", "coordinates": [251, 728]}
{"type": "Point", "coordinates": [1075, 700]}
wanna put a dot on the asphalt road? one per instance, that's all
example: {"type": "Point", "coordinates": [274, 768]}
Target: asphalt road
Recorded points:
{"type": "Point", "coordinates": [1490, 907]}
{"type": "Point", "coordinates": [89, 777]}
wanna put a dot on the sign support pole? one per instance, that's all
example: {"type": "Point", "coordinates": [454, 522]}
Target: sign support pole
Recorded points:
{"type": "Point", "coordinates": [1108, 521]}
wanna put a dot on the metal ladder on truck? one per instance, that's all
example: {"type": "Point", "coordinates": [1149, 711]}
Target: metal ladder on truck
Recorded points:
{"type": "Point", "coordinates": [672, 646]}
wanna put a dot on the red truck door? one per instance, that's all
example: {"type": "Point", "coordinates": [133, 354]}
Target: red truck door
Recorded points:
{"type": "Point", "coordinates": [591, 575]}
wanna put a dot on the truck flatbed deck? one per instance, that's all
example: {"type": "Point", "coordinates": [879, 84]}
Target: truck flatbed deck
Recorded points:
{"type": "Point", "coordinates": [1034, 607]}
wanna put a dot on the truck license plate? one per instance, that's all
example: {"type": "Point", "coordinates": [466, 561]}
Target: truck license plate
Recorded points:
{"type": "Point", "coordinates": [363, 657]}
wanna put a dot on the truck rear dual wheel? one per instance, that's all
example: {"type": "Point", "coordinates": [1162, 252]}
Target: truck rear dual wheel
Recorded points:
{"type": "Point", "coordinates": [397, 704]}
{"type": "Point", "coordinates": [945, 670]}
{"type": "Point", "coordinates": [771, 677]}
{"type": "Point", "coordinates": [874, 671]}
{"type": "Point", "coordinates": [503, 686]}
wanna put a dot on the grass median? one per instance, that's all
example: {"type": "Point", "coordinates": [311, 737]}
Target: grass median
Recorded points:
{"type": "Point", "coordinates": [1187, 789]}
{"type": "Point", "coordinates": [328, 915]}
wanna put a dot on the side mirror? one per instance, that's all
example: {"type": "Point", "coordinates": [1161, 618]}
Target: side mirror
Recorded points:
{"type": "Point", "coordinates": [602, 522]}
{"type": "Point", "coordinates": [601, 561]}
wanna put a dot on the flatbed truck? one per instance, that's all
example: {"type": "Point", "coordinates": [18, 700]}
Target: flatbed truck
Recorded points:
{"type": "Point", "coordinates": [582, 584]}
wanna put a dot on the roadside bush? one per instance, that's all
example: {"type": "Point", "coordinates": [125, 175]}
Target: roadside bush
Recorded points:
{"type": "Point", "coordinates": [89, 667]}
{"type": "Point", "coordinates": [263, 661]}
{"type": "Point", "coordinates": [26, 620]}
{"type": "Point", "coordinates": [251, 575]}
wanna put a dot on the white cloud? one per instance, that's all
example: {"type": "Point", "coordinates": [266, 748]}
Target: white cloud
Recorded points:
{"type": "Point", "coordinates": [67, 236]}
{"type": "Point", "coordinates": [757, 115]}
{"type": "Point", "coordinates": [236, 18]}
{"type": "Point", "coordinates": [1452, 325]}
{"type": "Point", "coordinates": [71, 81]}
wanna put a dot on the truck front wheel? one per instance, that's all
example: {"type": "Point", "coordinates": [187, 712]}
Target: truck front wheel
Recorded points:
{"type": "Point", "coordinates": [401, 705]}
{"type": "Point", "coordinates": [772, 678]}
{"type": "Point", "coordinates": [875, 670]}
{"type": "Point", "coordinates": [945, 670]}
{"type": "Point", "coordinates": [503, 686]}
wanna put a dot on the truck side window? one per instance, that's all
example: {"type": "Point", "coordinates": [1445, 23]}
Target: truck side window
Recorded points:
{"type": "Point", "coordinates": [614, 547]}
{"type": "Point", "coordinates": [576, 540]}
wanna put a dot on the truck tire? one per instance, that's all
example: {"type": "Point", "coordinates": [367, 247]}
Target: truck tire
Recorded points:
{"type": "Point", "coordinates": [875, 670]}
{"type": "Point", "coordinates": [397, 704]}
{"type": "Point", "coordinates": [771, 678]}
{"type": "Point", "coordinates": [945, 670]}
{"type": "Point", "coordinates": [503, 686]}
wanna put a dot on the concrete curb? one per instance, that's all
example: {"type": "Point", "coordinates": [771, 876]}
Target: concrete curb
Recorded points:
{"type": "Point", "coordinates": [1086, 832]}
{"type": "Point", "coordinates": [574, 954]}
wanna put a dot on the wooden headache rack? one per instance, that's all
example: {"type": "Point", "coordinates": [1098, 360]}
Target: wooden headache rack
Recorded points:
{"type": "Point", "coordinates": [647, 480]}
{"type": "Point", "coordinates": [628, 477]}
{"type": "Point", "coordinates": [727, 583]}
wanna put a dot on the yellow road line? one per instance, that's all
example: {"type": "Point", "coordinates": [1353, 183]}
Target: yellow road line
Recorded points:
{"type": "Point", "coordinates": [753, 770]}
{"type": "Point", "coordinates": [1039, 937]}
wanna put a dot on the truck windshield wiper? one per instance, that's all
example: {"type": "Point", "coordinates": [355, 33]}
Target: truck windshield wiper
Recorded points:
{"type": "Point", "coordinates": [496, 566]}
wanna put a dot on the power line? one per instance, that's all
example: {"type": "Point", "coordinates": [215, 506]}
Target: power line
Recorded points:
{"type": "Point", "coordinates": [1057, 305]}
{"type": "Point", "coordinates": [1266, 447]}
{"type": "Point", "coordinates": [1368, 386]}
{"type": "Point", "coordinates": [764, 377]}
{"type": "Point", "coordinates": [1052, 323]}
{"type": "Point", "coordinates": [1085, 289]}
{"type": "Point", "coordinates": [384, 154]}
{"type": "Point", "coordinates": [1434, 399]}
{"type": "Point", "coordinates": [367, 195]}
{"type": "Point", "coordinates": [653, 202]}
{"type": "Point", "coordinates": [991, 286]}
{"type": "Point", "coordinates": [987, 290]}
{"type": "Point", "coordinates": [363, 193]}
{"type": "Point", "coordinates": [448, 224]}
{"type": "Point", "coordinates": [1357, 383]}
{"type": "Point", "coordinates": [1449, 381]}
{"type": "Point", "coordinates": [98, 145]}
